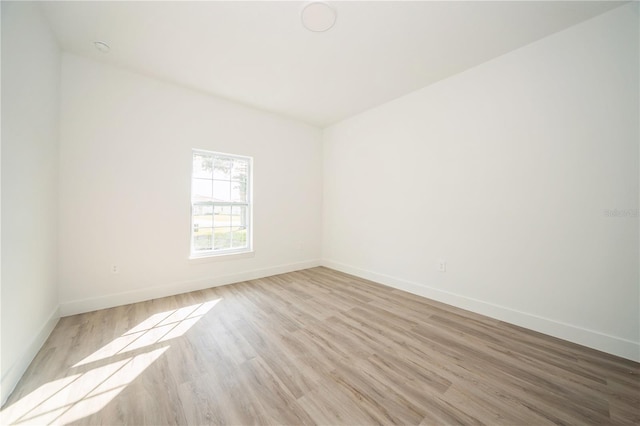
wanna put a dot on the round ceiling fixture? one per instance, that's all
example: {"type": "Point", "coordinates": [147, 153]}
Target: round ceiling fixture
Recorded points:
{"type": "Point", "coordinates": [318, 16]}
{"type": "Point", "coordinates": [102, 46]}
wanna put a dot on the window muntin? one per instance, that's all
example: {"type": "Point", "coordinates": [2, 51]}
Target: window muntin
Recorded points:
{"type": "Point", "coordinates": [220, 204]}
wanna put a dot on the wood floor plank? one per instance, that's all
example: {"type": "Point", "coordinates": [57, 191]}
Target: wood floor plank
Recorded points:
{"type": "Point", "coordinates": [314, 347]}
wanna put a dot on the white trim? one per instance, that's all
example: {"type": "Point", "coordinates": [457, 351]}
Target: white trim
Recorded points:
{"type": "Point", "coordinates": [13, 375]}
{"type": "Point", "coordinates": [248, 204]}
{"type": "Point", "coordinates": [117, 299]}
{"type": "Point", "coordinates": [245, 254]}
{"type": "Point", "coordinates": [593, 339]}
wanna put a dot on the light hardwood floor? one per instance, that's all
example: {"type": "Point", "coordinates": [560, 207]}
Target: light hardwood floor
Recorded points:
{"type": "Point", "coordinates": [315, 347]}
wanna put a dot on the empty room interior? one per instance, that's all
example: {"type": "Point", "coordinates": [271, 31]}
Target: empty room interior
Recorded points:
{"type": "Point", "coordinates": [334, 213]}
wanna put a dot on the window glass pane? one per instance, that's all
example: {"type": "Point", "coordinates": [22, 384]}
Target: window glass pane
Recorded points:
{"type": "Point", "coordinates": [239, 192]}
{"type": "Point", "coordinates": [200, 209]}
{"type": "Point", "coordinates": [201, 190]}
{"type": "Point", "coordinates": [240, 170]}
{"type": "Point", "coordinates": [222, 216]}
{"type": "Point", "coordinates": [202, 239]}
{"type": "Point", "coordinates": [202, 217]}
{"type": "Point", "coordinates": [221, 190]}
{"type": "Point", "coordinates": [202, 166]}
{"type": "Point", "coordinates": [222, 168]}
{"type": "Point", "coordinates": [221, 238]}
{"type": "Point", "coordinates": [239, 216]}
{"type": "Point", "coordinates": [238, 237]}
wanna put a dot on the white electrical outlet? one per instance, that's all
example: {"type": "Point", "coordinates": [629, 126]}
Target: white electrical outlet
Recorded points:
{"type": "Point", "coordinates": [115, 269]}
{"type": "Point", "coordinates": [442, 266]}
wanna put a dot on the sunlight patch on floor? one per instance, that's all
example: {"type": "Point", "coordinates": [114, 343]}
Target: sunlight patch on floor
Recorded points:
{"type": "Point", "coordinates": [80, 394]}
{"type": "Point", "coordinates": [159, 327]}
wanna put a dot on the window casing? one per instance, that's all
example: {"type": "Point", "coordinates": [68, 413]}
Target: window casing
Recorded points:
{"type": "Point", "coordinates": [220, 204]}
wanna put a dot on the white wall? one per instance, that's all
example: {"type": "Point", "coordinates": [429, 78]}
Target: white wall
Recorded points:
{"type": "Point", "coordinates": [30, 103]}
{"type": "Point", "coordinates": [505, 171]}
{"type": "Point", "coordinates": [126, 144]}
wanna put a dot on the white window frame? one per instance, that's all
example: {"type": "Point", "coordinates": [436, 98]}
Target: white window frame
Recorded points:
{"type": "Point", "coordinates": [248, 204]}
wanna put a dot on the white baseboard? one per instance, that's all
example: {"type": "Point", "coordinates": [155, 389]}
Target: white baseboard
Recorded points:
{"type": "Point", "coordinates": [593, 339]}
{"type": "Point", "coordinates": [12, 376]}
{"type": "Point", "coordinates": [117, 299]}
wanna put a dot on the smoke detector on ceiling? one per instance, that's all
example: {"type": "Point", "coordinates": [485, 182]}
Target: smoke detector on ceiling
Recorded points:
{"type": "Point", "coordinates": [318, 16]}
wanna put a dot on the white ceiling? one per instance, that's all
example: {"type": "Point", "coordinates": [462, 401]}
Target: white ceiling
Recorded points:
{"type": "Point", "coordinates": [259, 54]}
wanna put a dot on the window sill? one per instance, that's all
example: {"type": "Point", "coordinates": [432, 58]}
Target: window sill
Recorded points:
{"type": "Point", "coordinates": [194, 260]}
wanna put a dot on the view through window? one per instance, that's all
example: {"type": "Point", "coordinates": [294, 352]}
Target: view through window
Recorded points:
{"type": "Point", "coordinates": [220, 204]}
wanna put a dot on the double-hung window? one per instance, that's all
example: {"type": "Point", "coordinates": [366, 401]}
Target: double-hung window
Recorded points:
{"type": "Point", "coordinates": [220, 204]}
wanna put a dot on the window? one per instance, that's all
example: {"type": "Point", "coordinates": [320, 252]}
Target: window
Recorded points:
{"type": "Point", "coordinates": [220, 204]}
